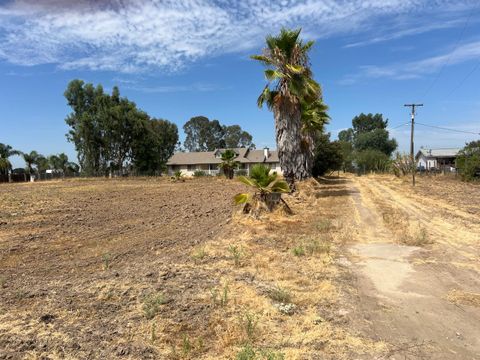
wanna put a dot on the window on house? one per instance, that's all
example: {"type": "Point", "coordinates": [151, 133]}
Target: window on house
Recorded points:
{"type": "Point", "coordinates": [213, 166]}
{"type": "Point", "coordinates": [192, 167]}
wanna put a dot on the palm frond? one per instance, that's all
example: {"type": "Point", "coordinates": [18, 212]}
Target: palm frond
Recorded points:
{"type": "Point", "coordinates": [247, 181]}
{"type": "Point", "coordinates": [272, 75]}
{"type": "Point", "coordinates": [296, 69]}
{"type": "Point", "coordinates": [241, 198]}
{"type": "Point", "coordinates": [280, 186]}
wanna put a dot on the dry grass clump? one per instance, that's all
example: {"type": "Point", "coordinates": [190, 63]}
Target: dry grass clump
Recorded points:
{"type": "Point", "coordinates": [464, 298]}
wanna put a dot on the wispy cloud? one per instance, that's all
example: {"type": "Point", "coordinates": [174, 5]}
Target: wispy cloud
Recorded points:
{"type": "Point", "coordinates": [411, 30]}
{"type": "Point", "coordinates": [416, 69]}
{"type": "Point", "coordinates": [135, 36]}
{"type": "Point", "coordinates": [197, 87]}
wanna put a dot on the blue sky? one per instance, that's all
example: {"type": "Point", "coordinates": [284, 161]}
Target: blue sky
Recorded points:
{"type": "Point", "coordinates": [178, 59]}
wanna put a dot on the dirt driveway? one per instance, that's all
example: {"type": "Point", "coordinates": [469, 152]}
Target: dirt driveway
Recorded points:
{"type": "Point", "coordinates": [417, 262]}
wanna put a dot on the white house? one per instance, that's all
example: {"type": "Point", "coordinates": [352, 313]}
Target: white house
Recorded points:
{"type": "Point", "coordinates": [208, 161]}
{"type": "Point", "coordinates": [436, 159]}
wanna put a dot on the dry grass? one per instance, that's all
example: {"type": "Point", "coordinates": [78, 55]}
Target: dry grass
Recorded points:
{"type": "Point", "coordinates": [464, 298]}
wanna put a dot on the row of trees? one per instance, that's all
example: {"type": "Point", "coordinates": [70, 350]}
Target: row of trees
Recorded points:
{"type": "Point", "coordinates": [111, 134]}
{"type": "Point", "coordinates": [36, 163]}
{"type": "Point", "coordinates": [367, 143]}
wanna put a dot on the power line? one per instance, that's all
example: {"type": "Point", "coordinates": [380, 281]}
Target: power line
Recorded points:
{"type": "Point", "coordinates": [447, 62]}
{"type": "Point", "coordinates": [448, 129]}
{"type": "Point", "coordinates": [477, 65]}
{"type": "Point", "coordinates": [396, 127]}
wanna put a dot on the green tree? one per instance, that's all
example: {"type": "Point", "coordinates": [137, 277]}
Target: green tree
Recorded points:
{"type": "Point", "coordinates": [372, 160]}
{"type": "Point", "coordinates": [203, 134]}
{"type": "Point", "coordinates": [468, 161]}
{"type": "Point", "coordinates": [6, 151]}
{"type": "Point", "coordinates": [364, 123]}
{"type": "Point", "coordinates": [154, 144]}
{"type": "Point", "coordinates": [110, 133]}
{"type": "Point", "coordinates": [235, 137]}
{"type": "Point", "coordinates": [229, 164]}
{"type": "Point", "coordinates": [42, 164]}
{"type": "Point", "coordinates": [377, 139]}
{"type": "Point", "coordinates": [30, 160]}
{"type": "Point", "coordinates": [328, 155]}
{"type": "Point", "coordinates": [290, 84]}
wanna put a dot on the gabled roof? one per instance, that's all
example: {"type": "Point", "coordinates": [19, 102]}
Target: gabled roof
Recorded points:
{"type": "Point", "coordinates": [245, 155]}
{"type": "Point", "coordinates": [439, 153]}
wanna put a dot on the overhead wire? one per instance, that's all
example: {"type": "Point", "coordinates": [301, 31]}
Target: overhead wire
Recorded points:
{"type": "Point", "coordinates": [448, 129]}
{"type": "Point", "coordinates": [447, 62]}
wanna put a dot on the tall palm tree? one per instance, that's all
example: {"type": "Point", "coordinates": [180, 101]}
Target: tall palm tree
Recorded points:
{"type": "Point", "coordinates": [290, 83]}
{"type": "Point", "coordinates": [30, 160]}
{"type": "Point", "coordinates": [229, 164]}
{"type": "Point", "coordinates": [5, 152]}
{"type": "Point", "coordinates": [314, 119]}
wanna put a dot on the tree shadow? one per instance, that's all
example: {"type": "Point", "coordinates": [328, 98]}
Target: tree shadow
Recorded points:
{"type": "Point", "coordinates": [335, 192]}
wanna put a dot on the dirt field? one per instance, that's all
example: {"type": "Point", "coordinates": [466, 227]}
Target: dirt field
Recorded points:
{"type": "Point", "coordinates": [366, 268]}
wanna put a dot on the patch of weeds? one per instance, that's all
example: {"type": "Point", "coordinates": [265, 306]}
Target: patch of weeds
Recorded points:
{"type": "Point", "coordinates": [152, 303]}
{"type": "Point", "coordinates": [280, 295]}
{"type": "Point", "coordinates": [21, 294]}
{"type": "Point", "coordinates": [186, 345]}
{"type": "Point", "coordinates": [3, 282]}
{"type": "Point", "coordinates": [106, 259]}
{"type": "Point", "coordinates": [247, 352]}
{"type": "Point", "coordinates": [220, 299]}
{"type": "Point", "coordinates": [324, 225]}
{"type": "Point", "coordinates": [249, 323]}
{"type": "Point", "coordinates": [314, 246]}
{"type": "Point", "coordinates": [236, 253]}
{"type": "Point", "coordinates": [272, 355]}
{"type": "Point", "coordinates": [418, 238]}
{"type": "Point", "coordinates": [153, 333]}
{"type": "Point", "coordinates": [199, 254]}
{"type": "Point", "coordinates": [298, 250]}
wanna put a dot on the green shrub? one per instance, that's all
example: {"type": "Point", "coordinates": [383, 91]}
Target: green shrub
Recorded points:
{"type": "Point", "coordinates": [200, 173]}
{"type": "Point", "coordinates": [280, 295]}
{"type": "Point", "coordinates": [372, 160]}
{"type": "Point", "coordinates": [468, 161]}
{"type": "Point", "coordinates": [152, 303]}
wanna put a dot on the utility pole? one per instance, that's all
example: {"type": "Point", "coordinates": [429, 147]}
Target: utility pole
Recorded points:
{"type": "Point", "coordinates": [412, 155]}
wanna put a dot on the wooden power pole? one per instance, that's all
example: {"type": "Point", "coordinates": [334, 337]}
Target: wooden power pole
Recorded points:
{"type": "Point", "coordinates": [412, 147]}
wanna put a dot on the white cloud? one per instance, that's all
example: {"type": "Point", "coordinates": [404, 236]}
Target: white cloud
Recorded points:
{"type": "Point", "coordinates": [416, 69]}
{"type": "Point", "coordinates": [135, 36]}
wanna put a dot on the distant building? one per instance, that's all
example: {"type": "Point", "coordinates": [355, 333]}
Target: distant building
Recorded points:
{"type": "Point", "coordinates": [436, 159]}
{"type": "Point", "coordinates": [208, 161]}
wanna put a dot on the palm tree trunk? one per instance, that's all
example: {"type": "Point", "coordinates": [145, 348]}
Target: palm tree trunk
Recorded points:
{"type": "Point", "coordinates": [289, 138]}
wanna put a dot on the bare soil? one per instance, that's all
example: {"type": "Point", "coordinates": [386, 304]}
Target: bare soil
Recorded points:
{"type": "Point", "coordinates": [365, 268]}
{"type": "Point", "coordinates": [422, 300]}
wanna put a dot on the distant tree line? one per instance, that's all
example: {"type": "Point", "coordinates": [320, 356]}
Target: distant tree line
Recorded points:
{"type": "Point", "coordinates": [111, 134]}
{"type": "Point", "coordinates": [366, 146]}
{"type": "Point", "coordinates": [36, 163]}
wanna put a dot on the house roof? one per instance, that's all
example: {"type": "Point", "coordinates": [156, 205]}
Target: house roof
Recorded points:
{"type": "Point", "coordinates": [439, 153]}
{"type": "Point", "coordinates": [245, 155]}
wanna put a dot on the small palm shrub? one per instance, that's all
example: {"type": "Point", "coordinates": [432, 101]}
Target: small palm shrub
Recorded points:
{"type": "Point", "coordinates": [177, 176]}
{"type": "Point", "coordinates": [268, 189]}
{"type": "Point", "coordinates": [229, 164]}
